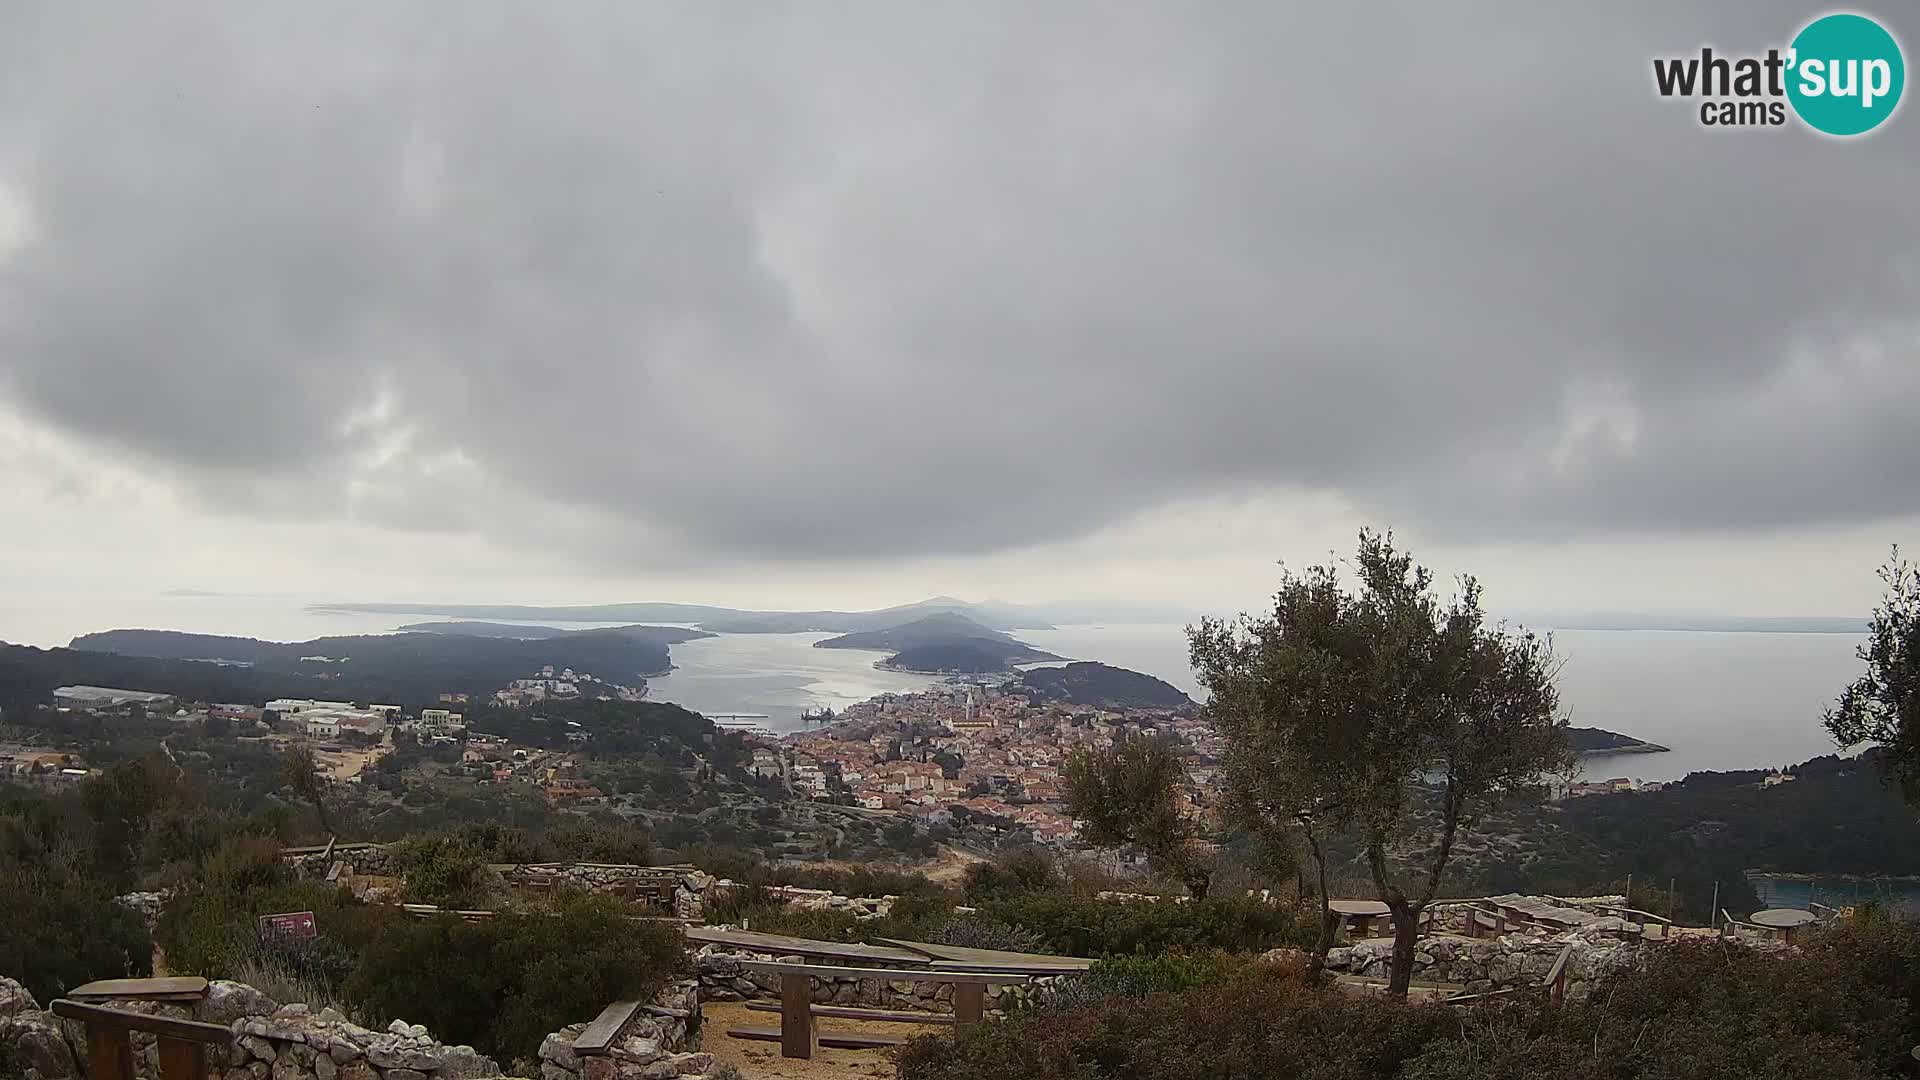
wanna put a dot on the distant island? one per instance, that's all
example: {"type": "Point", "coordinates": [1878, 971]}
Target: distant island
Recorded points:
{"type": "Point", "coordinates": [942, 644]}
{"type": "Point", "coordinates": [1714, 624]}
{"type": "Point", "coordinates": [406, 668]}
{"type": "Point", "coordinates": [1588, 740]}
{"type": "Point", "coordinates": [1085, 682]}
{"type": "Point", "coordinates": [722, 620]}
{"type": "Point", "coordinates": [665, 635]}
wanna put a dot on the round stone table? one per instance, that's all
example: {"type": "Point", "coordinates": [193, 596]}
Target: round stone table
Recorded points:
{"type": "Point", "coordinates": [1783, 919]}
{"type": "Point", "coordinates": [1359, 914]}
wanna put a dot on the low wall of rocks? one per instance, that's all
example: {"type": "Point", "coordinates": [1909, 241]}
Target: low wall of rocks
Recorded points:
{"type": "Point", "coordinates": [293, 1042]}
{"type": "Point", "coordinates": [271, 1041]}
{"type": "Point", "coordinates": [1487, 964]}
{"type": "Point", "coordinates": [692, 888]}
{"type": "Point", "coordinates": [724, 977]}
{"type": "Point", "coordinates": [656, 1043]}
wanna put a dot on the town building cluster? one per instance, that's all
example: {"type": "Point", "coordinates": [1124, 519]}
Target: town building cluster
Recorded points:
{"type": "Point", "coordinates": [564, 684]}
{"type": "Point", "coordinates": [978, 750]}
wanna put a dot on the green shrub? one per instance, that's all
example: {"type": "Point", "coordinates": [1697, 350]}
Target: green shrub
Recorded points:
{"type": "Point", "coordinates": [1022, 871]}
{"type": "Point", "coordinates": [1138, 976]}
{"type": "Point", "coordinates": [501, 984]}
{"type": "Point", "coordinates": [1700, 1010]}
{"type": "Point", "coordinates": [1257, 1025]}
{"type": "Point", "coordinates": [1085, 926]}
{"type": "Point", "coordinates": [974, 932]}
{"type": "Point", "coordinates": [444, 869]}
{"type": "Point", "coordinates": [58, 930]}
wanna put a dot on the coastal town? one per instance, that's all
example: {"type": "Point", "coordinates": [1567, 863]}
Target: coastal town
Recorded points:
{"type": "Point", "coordinates": [971, 751]}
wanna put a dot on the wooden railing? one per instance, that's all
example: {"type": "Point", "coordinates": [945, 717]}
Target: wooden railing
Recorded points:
{"type": "Point", "coordinates": [183, 1043]}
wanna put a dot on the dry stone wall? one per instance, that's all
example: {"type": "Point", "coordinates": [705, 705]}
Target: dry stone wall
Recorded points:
{"type": "Point", "coordinates": [1487, 964]}
{"type": "Point", "coordinates": [692, 889]}
{"type": "Point", "coordinates": [725, 977]}
{"type": "Point", "coordinates": [293, 1042]}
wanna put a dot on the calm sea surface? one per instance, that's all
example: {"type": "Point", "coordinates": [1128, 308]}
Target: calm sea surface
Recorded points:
{"type": "Point", "coordinates": [1719, 700]}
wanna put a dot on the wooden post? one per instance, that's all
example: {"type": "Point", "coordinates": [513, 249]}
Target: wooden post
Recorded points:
{"type": "Point", "coordinates": [1716, 902]}
{"type": "Point", "coordinates": [182, 1060]}
{"type": "Point", "coordinates": [969, 1003]}
{"type": "Point", "coordinates": [796, 1016]}
{"type": "Point", "coordinates": [109, 1053]}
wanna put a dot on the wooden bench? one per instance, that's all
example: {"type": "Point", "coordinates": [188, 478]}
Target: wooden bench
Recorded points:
{"type": "Point", "coordinates": [846, 1012]}
{"type": "Point", "coordinates": [797, 1034]}
{"type": "Point", "coordinates": [598, 1037]}
{"type": "Point", "coordinates": [182, 1043]}
{"type": "Point", "coordinates": [177, 988]}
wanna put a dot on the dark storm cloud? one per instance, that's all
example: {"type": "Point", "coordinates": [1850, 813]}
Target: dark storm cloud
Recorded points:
{"type": "Point", "coordinates": [950, 278]}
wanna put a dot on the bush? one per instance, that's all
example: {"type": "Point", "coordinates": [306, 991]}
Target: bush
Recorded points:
{"type": "Point", "coordinates": [1138, 976]}
{"type": "Point", "coordinates": [444, 869]}
{"type": "Point", "coordinates": [58, 930]}
{"type": "Point", "coordinates": [1260, 1024]}
{"type": "Point", "coordinates": [1701, 1010]}
{"type": "Point", "coordinates": [1018, 872]}
{"type": "Point", "coordinates": [1084, 926]}
{"type": "Point", "coordinates": [973, 932]}
{"type": "Point", "coordinates": [580, 840]}
{"type": "Point", "coordinates": [501, 984]}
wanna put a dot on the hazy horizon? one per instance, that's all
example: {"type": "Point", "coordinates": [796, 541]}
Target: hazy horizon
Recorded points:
{"type": "Point", "coordinates": [783, 312]}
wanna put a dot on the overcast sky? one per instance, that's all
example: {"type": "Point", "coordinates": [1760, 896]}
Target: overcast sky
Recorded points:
{"type": "Point", "coordinates": [849, 304]}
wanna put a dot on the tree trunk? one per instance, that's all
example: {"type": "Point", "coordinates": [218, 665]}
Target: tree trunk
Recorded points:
{"type": "Point", "coordinates": [1317, 963]}
{"type": "Point", "coordinates": [1406, 932]}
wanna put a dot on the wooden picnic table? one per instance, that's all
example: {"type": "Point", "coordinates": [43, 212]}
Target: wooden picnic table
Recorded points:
{"type": "Point", "coordinates": [796, 1033]}
{"type": "Point", "coordinates": [1783, 919]}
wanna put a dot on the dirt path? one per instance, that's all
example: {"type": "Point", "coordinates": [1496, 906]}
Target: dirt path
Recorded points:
{"type": "Point", "coordinates": [762, 1060]}
{"type": "Point", "coordinates": [950, 867]}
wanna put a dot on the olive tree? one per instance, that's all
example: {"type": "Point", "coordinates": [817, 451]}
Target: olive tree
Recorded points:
{"type": "Point", "coordinates": [1385, 710]}
{"type": "Point", "coordinates": [1129, 795]}
{"type": "Point", "coordinates": [300, 773]}
{"type": "Point", "coordinates": [1882, 707]}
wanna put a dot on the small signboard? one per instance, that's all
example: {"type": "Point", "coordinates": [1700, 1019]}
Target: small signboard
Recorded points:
{"type": "Point", "coordinates": [289, 926]}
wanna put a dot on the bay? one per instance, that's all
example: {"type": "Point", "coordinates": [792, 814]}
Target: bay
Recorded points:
{"type": "Point", "coordinates": [1719, 700]}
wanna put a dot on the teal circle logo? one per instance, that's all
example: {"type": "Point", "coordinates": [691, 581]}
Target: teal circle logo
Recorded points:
{"type": "Point", "coordinates": [1845, 74]}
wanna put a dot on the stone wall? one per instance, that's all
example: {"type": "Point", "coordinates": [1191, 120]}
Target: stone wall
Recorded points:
{"type": "Point", "coordinates": [725, 977]}
{"type": "Point", "coordinates": [1487, 964]}
{"type": "Point", "coordinates": [691, 888]}
{"type": "Point", "coordinates": [271, 1041]}
{"type": "Point", "coordinates": [656, 1043]}
{"type": "Point", "coordinates": [294, 1042]}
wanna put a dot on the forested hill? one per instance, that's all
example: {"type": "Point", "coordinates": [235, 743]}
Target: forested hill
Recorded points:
{"type": "Point", "coordinates": [666, 635]}
{"type": "Point", "coordinates": [405, 669]}
{"type": "Point", "coordinates": [943, 642]}
{"type": "Point", "coordinates": [1837, 817]}
{"type": "Point", "coordinates": [1587, 740]}
{"type": "Point", "coordinates": [1102, 685]}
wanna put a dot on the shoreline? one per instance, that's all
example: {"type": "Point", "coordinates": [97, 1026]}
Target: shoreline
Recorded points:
{"type": "Point", "coordinates": [1641, 748]}
{"type": "Point", "coordinates": [1864, 879]}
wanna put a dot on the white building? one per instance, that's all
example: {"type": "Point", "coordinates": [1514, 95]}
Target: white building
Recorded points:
{"type": "Point", "coordinates": [322, 725]}
{"type": "Point", "coordinates": [295, 706]}
{"type": "Point", "coordinates": [96, 697]}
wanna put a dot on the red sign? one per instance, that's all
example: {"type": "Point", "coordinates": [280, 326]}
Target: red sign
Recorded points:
{"type": "Point", "coordinates": [291, 926]}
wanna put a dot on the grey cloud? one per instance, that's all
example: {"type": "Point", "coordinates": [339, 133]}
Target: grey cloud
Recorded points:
{"type": "Point", "coordinates": [749, 279]}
